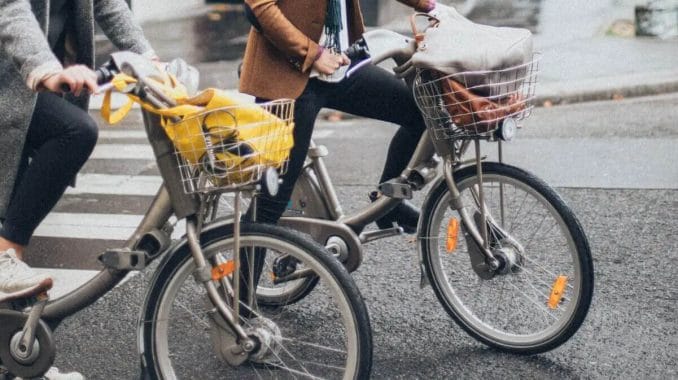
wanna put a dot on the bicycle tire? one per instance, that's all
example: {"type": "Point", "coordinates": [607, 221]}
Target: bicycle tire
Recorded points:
{"type": "Point", "coordinates": [480, 312]}
{"type": "Point", "coordinates": [173, 278]}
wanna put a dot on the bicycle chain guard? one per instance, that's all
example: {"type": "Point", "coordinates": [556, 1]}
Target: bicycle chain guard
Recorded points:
{"type": "Point", "coordinates": [44, 349]}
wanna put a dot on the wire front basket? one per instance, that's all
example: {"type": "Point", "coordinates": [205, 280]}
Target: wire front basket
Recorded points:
{"type": "Point", "coordinates": [474, 104]}
{"type": "Point", "coordinates": [230, 148]}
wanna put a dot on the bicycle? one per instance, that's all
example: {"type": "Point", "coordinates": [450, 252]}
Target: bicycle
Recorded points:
{"type": "Point", "coordinates": [199, 310]}
{"type": "Point", "coordinates": [506, 257]}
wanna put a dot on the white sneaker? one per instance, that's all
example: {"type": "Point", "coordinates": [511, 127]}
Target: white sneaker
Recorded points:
{"type": "Point", "coordinates": [54, 374]}
{"type": "Point", "coordinates": [17, 279]}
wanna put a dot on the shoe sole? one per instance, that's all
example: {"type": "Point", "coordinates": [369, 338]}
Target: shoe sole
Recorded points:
{"type": "Point", "coordinates": [35, 290]}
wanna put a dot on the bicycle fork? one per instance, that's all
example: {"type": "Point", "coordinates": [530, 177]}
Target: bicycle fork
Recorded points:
{"type": "Point", "coordinates": [481, 238]}
{"type": "Point", "coordinates": [203, 274]}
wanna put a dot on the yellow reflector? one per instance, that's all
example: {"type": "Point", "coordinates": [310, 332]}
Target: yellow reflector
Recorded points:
{"type": "Point", "coordinates": [223, 270]}
{"type": "Point", "coordinates": [557, 291]}
{"type": "Point", "coordinates": [452, 233]}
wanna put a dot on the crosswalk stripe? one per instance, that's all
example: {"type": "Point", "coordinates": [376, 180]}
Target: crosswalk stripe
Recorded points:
{"type": "Point", "coordinates": [93, 226]}
{"type": "Point", "coordinates": [66, 280]}
{"type": "Point", "coordinates": [122, 152]}
{"type": "Point", "coordinates": [122, 134]}
{"type": "Point", "coordinates": [116, 184]}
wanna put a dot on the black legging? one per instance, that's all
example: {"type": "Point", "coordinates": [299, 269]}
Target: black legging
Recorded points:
{"type": "Point", "coordinates": [60, 138]}
{"type": "Point", "coordinates": [371, 92]}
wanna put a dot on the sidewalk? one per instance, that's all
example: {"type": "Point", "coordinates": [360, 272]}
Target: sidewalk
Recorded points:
{"type": "Point", "coordinates": [581, 60]}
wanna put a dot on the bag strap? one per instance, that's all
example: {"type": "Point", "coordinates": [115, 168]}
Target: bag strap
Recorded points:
{"type": "Point", "coordinates": [114, 117]}
{"type": "Point", "coordinates": [419, 35]}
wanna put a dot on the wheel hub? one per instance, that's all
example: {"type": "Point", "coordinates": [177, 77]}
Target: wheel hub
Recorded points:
{"type": "Point", "coordinates": [510, 254]}
{"type": "Point", "coordinates": [267, 334]}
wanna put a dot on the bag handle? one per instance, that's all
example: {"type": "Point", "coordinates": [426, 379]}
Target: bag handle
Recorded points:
{"type": "Point", "coordinates": [419, 35]}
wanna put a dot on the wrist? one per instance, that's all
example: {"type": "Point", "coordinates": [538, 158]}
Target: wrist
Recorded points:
{"type": "Point", "coordinates": [41, 73]}
{"type": "Point", "coordinates": [319, 54]}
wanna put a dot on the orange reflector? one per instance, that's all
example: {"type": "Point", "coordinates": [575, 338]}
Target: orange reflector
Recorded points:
{"type": "Point", "coordinates": [223, 270]}
{"type": "Point", "coordinates": [452, 233]}
{"type": "Point", "coordinates": [557, 291]}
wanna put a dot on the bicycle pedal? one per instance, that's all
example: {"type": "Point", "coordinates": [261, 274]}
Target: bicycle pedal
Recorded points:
{"type": "Point", "coordinates": [396, 190]}
{"type": "Point", "coordinates": [123, 259]}
{"type": "Point", "coordinates": [369, 236]}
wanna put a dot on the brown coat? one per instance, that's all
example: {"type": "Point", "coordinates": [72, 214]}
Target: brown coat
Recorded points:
{"type": "Point", "coordinates": [279, 59]}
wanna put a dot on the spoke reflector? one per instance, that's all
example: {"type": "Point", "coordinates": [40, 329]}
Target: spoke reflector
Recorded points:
{"type": "Point", "coordinates": [223, 270]}
{"type": "Point", "coordinates": [557, 292]}
{"type": "Point", "coordinates": [452, 233]}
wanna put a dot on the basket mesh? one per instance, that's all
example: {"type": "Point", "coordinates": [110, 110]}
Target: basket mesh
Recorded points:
{"type": "Point", "coordinates": [229, 148]}
{"type": "Point", "coordinates": [474, 104]}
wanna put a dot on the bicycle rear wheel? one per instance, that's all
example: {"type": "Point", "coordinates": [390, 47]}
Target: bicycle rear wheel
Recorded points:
{"type": "Point", "coordinates": [326, 335]}
{"type": "Point", "coordinates": [541, 293]}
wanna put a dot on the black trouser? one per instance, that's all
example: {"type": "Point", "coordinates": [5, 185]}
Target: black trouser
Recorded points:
{"type": "Point", "coordinates": [371, 92]}
{"type": "Point", "coordinates": [60, 138]}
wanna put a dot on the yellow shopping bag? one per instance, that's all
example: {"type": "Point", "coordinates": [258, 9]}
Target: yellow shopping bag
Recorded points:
{"type": "Point", "coordinates": [229, 140]}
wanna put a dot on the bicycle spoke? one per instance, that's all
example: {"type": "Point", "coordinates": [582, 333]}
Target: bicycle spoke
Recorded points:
{"type": "Point", "coordinates": [539, 307]}
{"type": "Point", "coordinates": [316, 346]}
{"type": "Point", "coordinates": [553, 275]}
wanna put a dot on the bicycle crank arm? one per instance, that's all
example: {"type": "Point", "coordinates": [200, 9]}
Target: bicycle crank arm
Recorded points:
{"type": "Point", "coordinates": [19, 359]}
{"type": "Point", "coordinates": [28, 334]}
{"type": "Point", "coordinates": [296, 275]}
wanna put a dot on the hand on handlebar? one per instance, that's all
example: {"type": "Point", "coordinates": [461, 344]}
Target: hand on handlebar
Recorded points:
{"type": "Point", "coordinates": [329, 62]}
{"type": "Point", "coordinates": [72, 79]}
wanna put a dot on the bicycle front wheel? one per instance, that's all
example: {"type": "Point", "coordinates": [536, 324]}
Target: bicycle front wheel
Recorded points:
{"type": "Point", "coordinates": [325, 336]}
{"type": "Point", "coordinates": [541, 293]}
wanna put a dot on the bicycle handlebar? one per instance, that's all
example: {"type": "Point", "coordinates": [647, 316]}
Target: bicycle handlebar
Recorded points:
{"type": "Point", "coordinates": [105, 73]}
{"type": "Point", "coordinates": [358, 51]}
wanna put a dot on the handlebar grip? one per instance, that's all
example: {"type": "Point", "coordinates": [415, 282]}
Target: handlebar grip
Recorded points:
{"type": "Point", "coordinates": [103, 75]}
{"type": "Point", "coordinates": [358, 51]}
{"type": "Point", "coordinates": [65, 88]}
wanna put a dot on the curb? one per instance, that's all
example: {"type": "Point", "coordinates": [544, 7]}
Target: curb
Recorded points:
{"type": "Point", "coordinates": [607, 88]}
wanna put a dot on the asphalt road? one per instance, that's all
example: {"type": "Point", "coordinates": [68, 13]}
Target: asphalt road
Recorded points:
{"type": "Point", "coordinates": [614, 163]}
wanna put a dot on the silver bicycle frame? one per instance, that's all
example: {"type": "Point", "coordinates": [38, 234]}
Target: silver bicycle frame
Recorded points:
{"type": "Point", "coordinates": [327, 212]}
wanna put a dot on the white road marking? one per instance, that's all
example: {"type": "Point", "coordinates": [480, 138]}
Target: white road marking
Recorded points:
{"type": "Point", "coordinates": [94, 226]}
{"type": "Point", "coordinates": [122, 152]}
{"type": "Point", "coordinates": [116, 184]}
{"type": "Point", "coordinates": [66, 280]}
{"type": "Point", "coordinates": [121, 134]}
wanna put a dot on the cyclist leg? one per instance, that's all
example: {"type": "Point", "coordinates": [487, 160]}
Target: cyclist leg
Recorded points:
{"type": "Point", "coordinates": [306, 109]}
{"type": "Point", "coordinates": [60, 138]}
{"type": "Point", "coordinates": [375, 93]}
{"type": "Point", "coordinates": [269, 209]}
